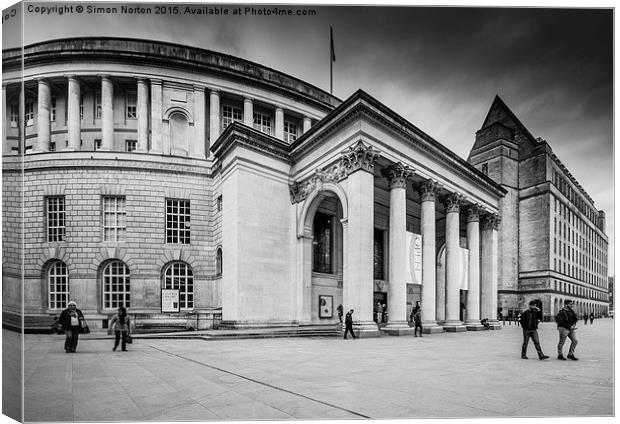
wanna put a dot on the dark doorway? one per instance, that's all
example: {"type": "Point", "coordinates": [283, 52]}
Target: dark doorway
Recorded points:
{"type": "Point", "coordinates": [380, 308]}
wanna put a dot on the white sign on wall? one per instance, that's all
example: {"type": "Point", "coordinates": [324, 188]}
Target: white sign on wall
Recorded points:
{"type": "Point", "coordinates": [170, 300]}
{"type": "Point", "coordinates": [414, 258]}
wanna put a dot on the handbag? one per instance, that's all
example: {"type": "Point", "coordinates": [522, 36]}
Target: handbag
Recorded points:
{"type": "Point", "coordinates": [128, 339]}
{"type": "Point", "coordinates": [84, 327]}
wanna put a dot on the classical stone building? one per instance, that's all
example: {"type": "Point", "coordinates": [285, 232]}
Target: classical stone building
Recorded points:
{"type": "Point", "coordinates": [148, 166]}
{"type": "Point", "coordinates": [552, 238]}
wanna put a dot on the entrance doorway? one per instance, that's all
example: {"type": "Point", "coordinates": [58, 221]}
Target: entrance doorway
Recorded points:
{"type": "Point", "coordinates": [380, 308]}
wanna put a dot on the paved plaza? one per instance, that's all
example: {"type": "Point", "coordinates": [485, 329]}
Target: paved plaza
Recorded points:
{"type": "Point", "coordinates": [473, 374]}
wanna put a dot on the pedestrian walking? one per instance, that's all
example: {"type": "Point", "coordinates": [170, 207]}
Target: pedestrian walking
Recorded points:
{"type": "Point", "coordinates": [591, 318]}
{"type": "Point", "coordinates": [518, 318]}
{"type": "Point", "coordinates": [417, 318]}
{"type": "Point", "coordinates": [567, 324]}
{"type": "Point", "coordinates": [71, 319]}
{"type": "Point", "coordinates": [529, 324]}
{"type": "Point", "coordinates": [384, 315]}
{"type": "Point", "coordinates": [585, 319]}
{"type": "Point", "coordinates": [339, 309]}
{"type": "Point", "coordinates": [348, 324]}
{"type": "Point", "coordinates": [120, 324]}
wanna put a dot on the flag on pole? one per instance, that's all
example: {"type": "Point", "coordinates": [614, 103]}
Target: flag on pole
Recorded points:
{"type": "Point", "coordinates": [331, 39]}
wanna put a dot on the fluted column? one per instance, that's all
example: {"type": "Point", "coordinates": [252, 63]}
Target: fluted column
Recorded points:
{"type": "Point", "coordinates": [198, 144]}
{"type": "Point", "coordinates": [307, 124]}
{"type": "Point", "coordinates": [214, 115]}
{"type": "Point", "coordinates": [397, 175]}
{"type": "Point", "coordinates": [73, 114]}
{"type": "Point", "coordinates": [156, 117]}
{"type": "Point", "coordinates": [44, 105]}
{"type": "Point", "coordinates": [473, 293]}
{"type": "Point", "coordinates": [488, 271]}
{"type": "Point", "coordinates": [453, 275]}
{"type": "Point", "coordinates": [248, 112]}
{"type": "Point", "coordinates": [107, 113]}
{"type": "Point", "coordinates": [358, 162]}
{"type": "Point", "coordinates": [143, 116]}
{"type": "Point", "coordinates": [279, 129]}
{"type": "Point", "coordinates": [427, 192]}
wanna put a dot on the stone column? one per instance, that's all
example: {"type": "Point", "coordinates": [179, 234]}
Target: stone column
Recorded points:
{"type": "Point", "coordinates": [73, 114]}
{"type": "Point", "coordinates": [304, 294]}
{"type": "Point", "coordinates": [44, 105]}
{"type": "Point", "coordinates": [107, 113]}
{"type": "Point", "coordinates": [473, 293]}
{"type": "Point", "coordinates": [6, 149]}
{"type": "Point", "coordinates": [397, 325]}
{"type": "Point", "coordinates": [453, 275]}
{"type": "Point", "coordinates": [488, 271]}
{"type": "Point", "coordinates": [214, 115]}
{"type": "Point", "coordinates": [198, 144]}
{"type": "Point", "coordinates": [307, 124]}
{"type": "Point", "coordinates": [427, 198]}
{"type": "Point", "coordinates": [279, 129]}
{"type": "Point", "coordinates": [248, 112]}
{"type": "Point", "coordinates": [156, 117]}
{"type": "Point", "coordinates": [358, 162]}
{"type": "Point", "coordinates": [143, 116]}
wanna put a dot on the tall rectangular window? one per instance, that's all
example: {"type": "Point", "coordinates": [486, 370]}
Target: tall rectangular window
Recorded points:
{"type": "Point", "coordinates": [378, 255]}
{"type": "Point", "coordinates": [97, 144]}
{"type": "Point", "coordinates": [485, 169]}
{"type": "Point", "coordinates": [130, 145]}
{"type": "Point", "coordinates": [14, 115]}
{"type": "Point", "coordinates": [290, 132]}
{"type": "Point", "coordinates": [98, 104]}
{"type": "Point", "coordinates": [55, 217]}
{"type": "Point", "coordinates": [262, 122]}
{"type": "Point", "coordinates": [29, 114]}
{"type": "Point", "coordinates": [81, 107]}
{"type": "Point", "coordinates": [177, 221]}
{"type": "Point", "coordinates": [231, 114]}
{"type": "Point", "coordinates": [323, 244]}
{"type": "Point", "coordinates": [114, 218]}
{"type": "Point", "coordinates": [132, 105]}
{"type": "Point", "coordinates": [53, 109]}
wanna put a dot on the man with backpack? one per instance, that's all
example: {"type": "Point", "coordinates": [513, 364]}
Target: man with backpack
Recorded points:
{"type": "Point", "coordinates": [567, 324]}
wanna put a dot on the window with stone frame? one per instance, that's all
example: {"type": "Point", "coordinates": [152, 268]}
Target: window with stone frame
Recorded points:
{"type": "Point", "coordinates": [57, 285]}
{"type": "Point", "coordinates": [14, 115]}
{"type": "Point", "coordinates": [179, 275]}
{"type": "Point", "coordinates": [218, 261]}
{"type": "Point", "coordinates": [262, 122]}
{"type": "Point", "coordinates": [323, 243]}
{"type": "Point", "coordinates": [116, 285]}
{"type": "Point", "coordinates": [55, 218]}
{"type": "Point", "coordinates": [132, 105]}
{"type": "Point", "coordinates": [114, 218]}
{"type": "Point", "coordinates": [231, 114]}
{"type": "Point", "coordinates": [378, 255]}
{"type": "Point", "coordinates": [97, 144]}
{"type": "Point", "coordinates": [290, 132]}
{"type": "Point", "coordinates": [131, 145]}
{"type": "Point", "coordinates": [53, 109]}
{"type": "Point", "coordinates": [98, 104]}
{"type": "Point", "coordinates": [178, 221]}
{"type": "Point", "coordinates": [29, 114]}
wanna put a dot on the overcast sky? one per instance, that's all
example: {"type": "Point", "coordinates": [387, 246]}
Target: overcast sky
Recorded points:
{"type": "Point", "coordinates": [439, 68]}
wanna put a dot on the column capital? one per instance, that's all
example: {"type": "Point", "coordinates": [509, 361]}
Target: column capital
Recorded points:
{"type": "Point", "coordinates": [397, 174]}
{"type": "Point", "coordinates": [156, 81]}
{"type": "Point", "coordinates": [214, 90]}
{"type": "Point", "coordinates": [40, 81]}
{"type": "Point", "coordinates": [248, 99]}
{"type": "Point", "coordinates": [427, 190]}
{"type": "Point", "coordinates": [359, 157]}
{"type": "Point", "coordinates": [473, 213]}
{"type": "Point", "coordinates": [72, 77]}
{"type": "Point", "coordinates": [141, 80]}
{"type": "Point", "coordinates": [452, 202]}
{"type": "Point", "coordinates": [491, 221]}
{"type": "Point", "coordinates": [199, 87]}
{"type": "Point", "coordinates": [104, 76]}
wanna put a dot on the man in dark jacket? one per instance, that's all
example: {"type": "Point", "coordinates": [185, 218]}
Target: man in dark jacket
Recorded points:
{"type": "Point", "coordinates": [567, 323]}
{"type": "Point", "coordinates": [348, 323]}
{"type": "Point", "coordinates": [71, 319]}
{"type": "Point", "coordinates": [529, 323]}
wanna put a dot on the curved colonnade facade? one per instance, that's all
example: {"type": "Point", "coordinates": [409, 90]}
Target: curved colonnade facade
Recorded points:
{"type": "Point", "coordinates": [264, 200]}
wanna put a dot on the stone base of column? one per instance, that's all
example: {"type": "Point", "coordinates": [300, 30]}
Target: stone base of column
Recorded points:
{"type": "Point", "coordinates": [431, 327]}
{"type": "Point", "coordinates": [366, 330]}
{"type": "Point", "coordinates": [454, 327]}
{"type": "Point", "coordinates": [495, 325]}
{"type": "Point", "coordinates": [474, 326]}
{"type": "Point", "coordinates": [398, 329]}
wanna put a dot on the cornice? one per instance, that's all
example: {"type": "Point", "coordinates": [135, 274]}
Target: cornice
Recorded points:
{"type": "Point", "coordinates": [237, 134]}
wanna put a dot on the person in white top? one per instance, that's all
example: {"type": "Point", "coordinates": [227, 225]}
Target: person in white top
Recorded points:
{"type": "Point", "coordinates": [72, 320]}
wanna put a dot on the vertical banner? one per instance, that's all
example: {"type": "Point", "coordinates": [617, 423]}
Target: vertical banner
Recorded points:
{"type": "Point", "coordinates": [414, 258]}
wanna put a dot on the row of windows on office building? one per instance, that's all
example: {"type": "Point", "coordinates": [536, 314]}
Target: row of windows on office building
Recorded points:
{"type": "Point", "coordinates": [116, 283]}
{"type": "Point", "coordinates": [582, 246]}
{"type": "Point", "coordinates": [576, 290]}
{"type": "Point", "coordinates": [261, 121]}
{"type": "Point", "coordinates": [573, 196]}
{"type": "Point", "coordinates": [114, 219]}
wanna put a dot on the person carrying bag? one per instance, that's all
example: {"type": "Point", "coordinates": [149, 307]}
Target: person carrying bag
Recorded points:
{"type": "Point", "coordinates": [120, 324]}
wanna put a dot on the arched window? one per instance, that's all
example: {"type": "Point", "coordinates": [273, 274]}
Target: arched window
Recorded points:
{"type": "Point", "coordinates": [179, 134]}
{"type": "Point", "coordinates": [58, 285]}
{"type": "Point", "coordinates": [116, 285]}
{"type": "Point", "coordinates": [218, 261]}
{"type": "Point", "coordinates": [178, 275]}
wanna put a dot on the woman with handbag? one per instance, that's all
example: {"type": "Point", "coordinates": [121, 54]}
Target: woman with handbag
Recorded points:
{"type": "Point", "coordinates": [71, 320]}
{"type": "Point", "coordinates": [120, 324]}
